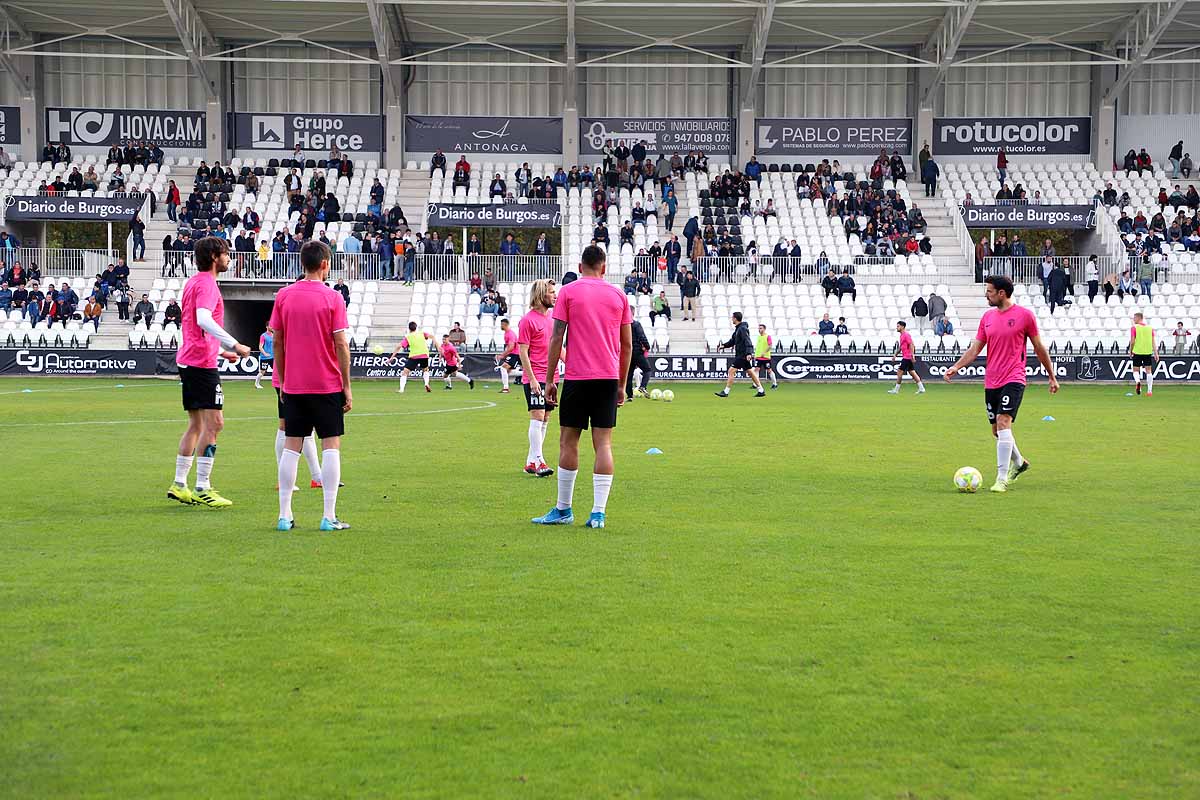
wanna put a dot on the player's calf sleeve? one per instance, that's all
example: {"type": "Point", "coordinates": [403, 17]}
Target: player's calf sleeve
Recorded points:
{"type": "Point", "coordinates": [503, 378]}
{"type": "Point", "coordinates": [289, 462]}
{"type": "Point", "coordinates": [183, 465]}
{"type": "Point", "coordinates": [279, 437]}
{"type": "Point", "coordinates": [309, 450]}
{"type": "Point", "coordinates": [601, 486]}
{"type": "Point", "coordinates": [566, 487]}
{"type": "Point", "coordinates": [1004, 448]}
{"type": "Point", "coordinates": [535, 441]}
{"type": "Point", "coordinates": [331, 476]}
{"type": "Point", "coordinates": [204, 465]}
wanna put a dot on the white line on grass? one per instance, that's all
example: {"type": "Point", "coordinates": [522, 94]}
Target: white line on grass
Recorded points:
{"type": "Point", "coordinates": [486, 405]}
{"type": "Point", "coordinates": [137, 385]}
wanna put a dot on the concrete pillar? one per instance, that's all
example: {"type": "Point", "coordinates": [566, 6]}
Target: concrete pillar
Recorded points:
{"type": "Point", "coordinates": [215, 123]}
{"type": "Point", "coordinates": [393, 136]}
{"type": "Point", "coordinates": [1104, 118]}
{"type": "Point", "coordinates": [570, 136]}
{"type": "Point", "coordinates": [745, 137]}
{"type": "Point", "coordinates": [33, 113]}
{"type": "Point", "coordinates": [923, 132]}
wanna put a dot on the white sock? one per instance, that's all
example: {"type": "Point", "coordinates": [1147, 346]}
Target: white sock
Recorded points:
{"type": "Point", "coordinates": [204, 465]}
{"type": "Point", "coordinates": [279, 437]}
{"type": "Point", "coordinates": [601, 486]}
{"type": "Point", "coordinates": [1004, 448]}
{"type": "Point", "coordinates": [183, 465]}
{"type": "Point", "coordinates": [542, 442]}
{"type": "Point", "coordinates": [289, 463]}
{"type": "Point", "coordinates": [920, 385]}
{"type": "Point", "coordinates": [535, 441]}
{"type": "Point", "coordinates": [897, 387]}
{"type": "Point", "coordinates": [464, 377]}
{"type": "Point", "coordinates": [1017, 458]}
{"type": "Point", "coordinates": [566, 487]}
{"type": "Point", "coordinates": [426, 374]}
{"type": "Point", "coordinates": [1150, 380]}
{"type": "Point", "coordinates": [309, 450]}
{"type": "Point", "coordinates": [503, 378]}
{"type": "Point", "coordinates": [258, 381]}
{"type": "Point", "coordinates": [403, 380]}
{"type": "Point", "coordinates": [331, 476]}
{"type": "Point", "coordinates": [725, 391]}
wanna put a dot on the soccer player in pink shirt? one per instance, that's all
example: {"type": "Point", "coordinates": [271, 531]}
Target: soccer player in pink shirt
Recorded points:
{"type": "Point", "coordinates": [204, 341]}
{"type": "Point", "coordinates": [1004, 329]}
{"type": "Point", "coordinates": [312, 361]}
{"type": "Point", "coordinates": [908, 362]}
{"type": "Point", "coordinates": [509, 359]}
{"type": "Point", "coordinates": [533, 346]}
{"type": "Point", "coordinates": [453, 363]}
{"type": "Point", "coordinates": [596, 315]}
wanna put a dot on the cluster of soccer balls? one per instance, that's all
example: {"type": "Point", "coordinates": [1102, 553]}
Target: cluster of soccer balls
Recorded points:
{"type": "Point", "coordinates": [968, 480]}
{"type": "Point", "coordinates": [666, 395]}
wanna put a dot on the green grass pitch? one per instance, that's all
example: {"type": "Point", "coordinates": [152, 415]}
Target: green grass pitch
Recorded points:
{"type": "Point", "coordinates": [791, 601]}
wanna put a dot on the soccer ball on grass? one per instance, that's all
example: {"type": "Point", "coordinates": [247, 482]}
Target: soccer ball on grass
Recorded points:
{"type": "Point", "coordinates": [668, 395]}
{"type": "Point", "coordinates": [968, 480]}
{"type": "Point", "coordinates": [656, 394]}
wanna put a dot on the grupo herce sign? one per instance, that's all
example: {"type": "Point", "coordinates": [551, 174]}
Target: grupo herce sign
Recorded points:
{"type": "Point", "coordinates": [316, 133]}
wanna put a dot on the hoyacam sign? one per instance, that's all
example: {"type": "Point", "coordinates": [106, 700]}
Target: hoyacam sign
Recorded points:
{"type": "Point", "coordinates": [967, 136]}
{"type": "Point", "coordinates": [455, 134]}
{"type": "Point", "coordinates": [101, 127]}
{"type": "Point", "coordinates": [504, 215]}
{"type": "Point", "coordinates": [800, 137]}
{"type": "Point", "coordinates": [1036, 217]}
{"type": "Point", "coordinates": [665, 135]}
{"type": "Point", "coordinates": [350, 133]}
{"type": "Point", "coordinates": [104, 209]}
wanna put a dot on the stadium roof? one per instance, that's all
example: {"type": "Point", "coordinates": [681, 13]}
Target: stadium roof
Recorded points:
{"type": "Point", "coordinates": [920, 33]}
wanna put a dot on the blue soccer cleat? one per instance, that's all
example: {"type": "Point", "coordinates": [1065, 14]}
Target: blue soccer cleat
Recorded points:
{"type": "Point", "coordinates": [555, 516]}
{"type": "Point", "coordinates": [284, 524]}
{"type": "Point", "coordinates": [334, 525]}
{"type": "Point", "coordinates": [596, 520]}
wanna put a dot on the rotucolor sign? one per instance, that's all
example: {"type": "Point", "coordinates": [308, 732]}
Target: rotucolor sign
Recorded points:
{"type": "Point", "coordinates": [833, 137]}
{"type": "Point", "coordinates": [1036, 217]}
{"type": "Point", "coordinates": [967, 136]}
{"type": "Point", "coordinates": [503, 215]}
{"type": "Point", "coordinates": [459, 134]}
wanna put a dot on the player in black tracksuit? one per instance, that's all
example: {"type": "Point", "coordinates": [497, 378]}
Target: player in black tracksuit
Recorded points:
{"type": "Point", "coordinates": [743, 356]}
{"type": "Point", "coordinates": [641, 346]}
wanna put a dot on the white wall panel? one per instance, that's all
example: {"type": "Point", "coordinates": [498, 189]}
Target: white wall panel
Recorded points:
{"type": "Point", "coordinates": [9, 96]}
{"type": "Point", "coordinates": [1163, 89]}
{"type": "Point", "coordinates": [1158, 133]}
{"type": "Point", "coordinates": [655, 92]}
{"type": "Point", "coordinates": [835, 91]}
{"type": "Point", "coordinates": [303, 86]}
{"type": "Point", "coordinates": [128, 82]}
{"type": "Point", "coordinates": [490, 84]}
{"type": "Point", "coordinates": [1019, 89]}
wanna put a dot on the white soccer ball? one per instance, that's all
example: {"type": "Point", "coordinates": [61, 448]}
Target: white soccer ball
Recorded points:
{"type": "Point", "coordinates": [668, 395]}
{"type": "Point", "coordinates": [968, 480]}
{"type": "Point", "coordinates": [377, 349]}
{"type": "Point", "coordinates": [656, 394]}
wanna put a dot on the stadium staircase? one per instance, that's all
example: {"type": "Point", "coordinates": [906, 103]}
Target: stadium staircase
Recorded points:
{"type": "Point", "coordinates": [414, 197]}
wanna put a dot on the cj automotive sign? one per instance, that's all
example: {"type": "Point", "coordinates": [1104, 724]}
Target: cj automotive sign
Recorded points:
{"type": "Point", "coordinates": [425, 134]}
{"type": "Point", "coordinates": [802, 137]}
{"type": "Point", "coordinates": [319, 133]}
{"type": "Point", "coordinates": [504, 215]}
{"type": "Point", "coordinates": [1051, 136]}
{"type": "Point", "coordinates": [101, 127]}
{"type": "Point", "coordinates": [666, 135]}
{"type": "Point", "coordinates": [1036, 217]}
{"type": "Point", "coordinates": [18, 208]}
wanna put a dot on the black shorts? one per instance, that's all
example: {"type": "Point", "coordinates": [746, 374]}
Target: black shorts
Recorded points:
{"type": "Point", "coordinates": [537, 402]}
{"type": "Point", "coordinates": [416, 364]}
{"type": "Point", "coordinates": [302, 413]}
{"type": "Point", "coordinates": [451, 369]}
{"type": "Point", "coordinates": [907, 365]}
{"type": "Point", "coordinates": [763, 364]}
{"type": "Point", "coordinates": [279, 401]}
{"type": "Point", "coordinates": [1005, 399]}
{"type": "Point", "coordinates": [201, 388]}
{"type": "Point", "coordinates": [742, 363]}
{"type": "Point", "coordinates": [263, 363]}
{"type": "Point", "coordinates": [1143, 361]}
{"type": "Point", "coordinates": [591, 402]}
{"type": "Point", "coordinates": [512, 360]}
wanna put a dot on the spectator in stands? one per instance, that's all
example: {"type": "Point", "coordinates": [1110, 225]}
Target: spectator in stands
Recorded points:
{"type": "Point", "coordinates": [462, 172]}
{"type": "Point", "coordinates": [753, 170]}
{"type": "Point", "coordinates": [929, 175]}
{"type": "Point", "coordinates": [846, 285]}
{"type": "Point", "coordinates": [922, 158]}
{"type": "Point", "coordinates": [437, 162]}
{"type": "Point", "coordinates": [1143, 161]}
{"type": "Point", "coordinates": [62, 154]}
{"type": "Point", "coordinates": [488, 305]}
{"type": "Point", "coordinates": [673, 253]}
{"type": "Point", "coordinates": [33, 305]}
{"type": "Point", "coordinates": [1056, 282]}
{"type": "Point", "coordinates": [115, 156]}
{"type": "Point", "coordinates": [292, 184]}
{"type": "Point", "coordinates": [137, 230]}
{"type": "Point", "coordinates": [8, 241]}
{"type": "Point", "coordinates": [252, 184]}
{"type": "Point", "coordinates": [936, 308]}
{"type": "Point", "coordinates": [92, 311]}
{"type": "Point", "coordinates": [690, 290]}
{"type": "Point", "coordinates": [67, 302]}
{"type": "Point", "coordinates": [1175, 157]}
{"type": "Point", "coordinates": [829, 282]}
{"type": "Point", "coordinates": [19, 299]}
{"type": "Point", "coordinates": [660, 307]}
{"type": "Point", "coordinates": [968, 200]}
{"type": "Point", "coordinates": [638, 152]}
{"type": "Point", "coordinates": [919, 310]}
{"type": "Point", "coordinates": [1091, 274]}
{"type": "Point", "coordinates": [5, 296]}
{"type": "Point", "coordinates": [117, 182]}
{"type": "Point", "coordinates": [1130, 163]}
{"type": "Point", "coordinates": [1017, 249]}
{"type": "Point", "coordinates": [1047, 249]}
{"type": "Point", "coordinates": [840, 329]}
{"type": "Point", "coordinates": [6, 161]}
{"type": "Point", "coordinates": [1185, 166]}
{"type": "Point", "coordinates": [1145, 275]}
{"type": "Point", "coordinates": [1109, 198]}
{"type": "Point", "coordinates": [457, 336]}
{"type": "Point", "coordinates": [825, 326]}
{"type": "Point", "coordinates": [490, 281]}
{"type": "Point", "coordinates": [498, 187]}
{"type": "Point", "coordinates": [1002, 164]}
{"type": "Point", "coordinates": [1181, 335]}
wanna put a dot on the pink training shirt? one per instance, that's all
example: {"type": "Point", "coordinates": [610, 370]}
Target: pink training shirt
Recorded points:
{"type": "Point", "coordinates": [906, 345]}
{"type": "Point", "coordinates": [450, 354]}
{"type": "Point", "coordinates": [1004, 333]}
{"type": "Point", "coordinates": [594, 311]}
{"type": "Point", "coordinates": [306, 316]}
{"type": "Point", "coordinates": [510, 339]}
{"type": "Point", "coordinates": [534, 331]}
{"type": "Point", "coordinates": [198, 348]}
